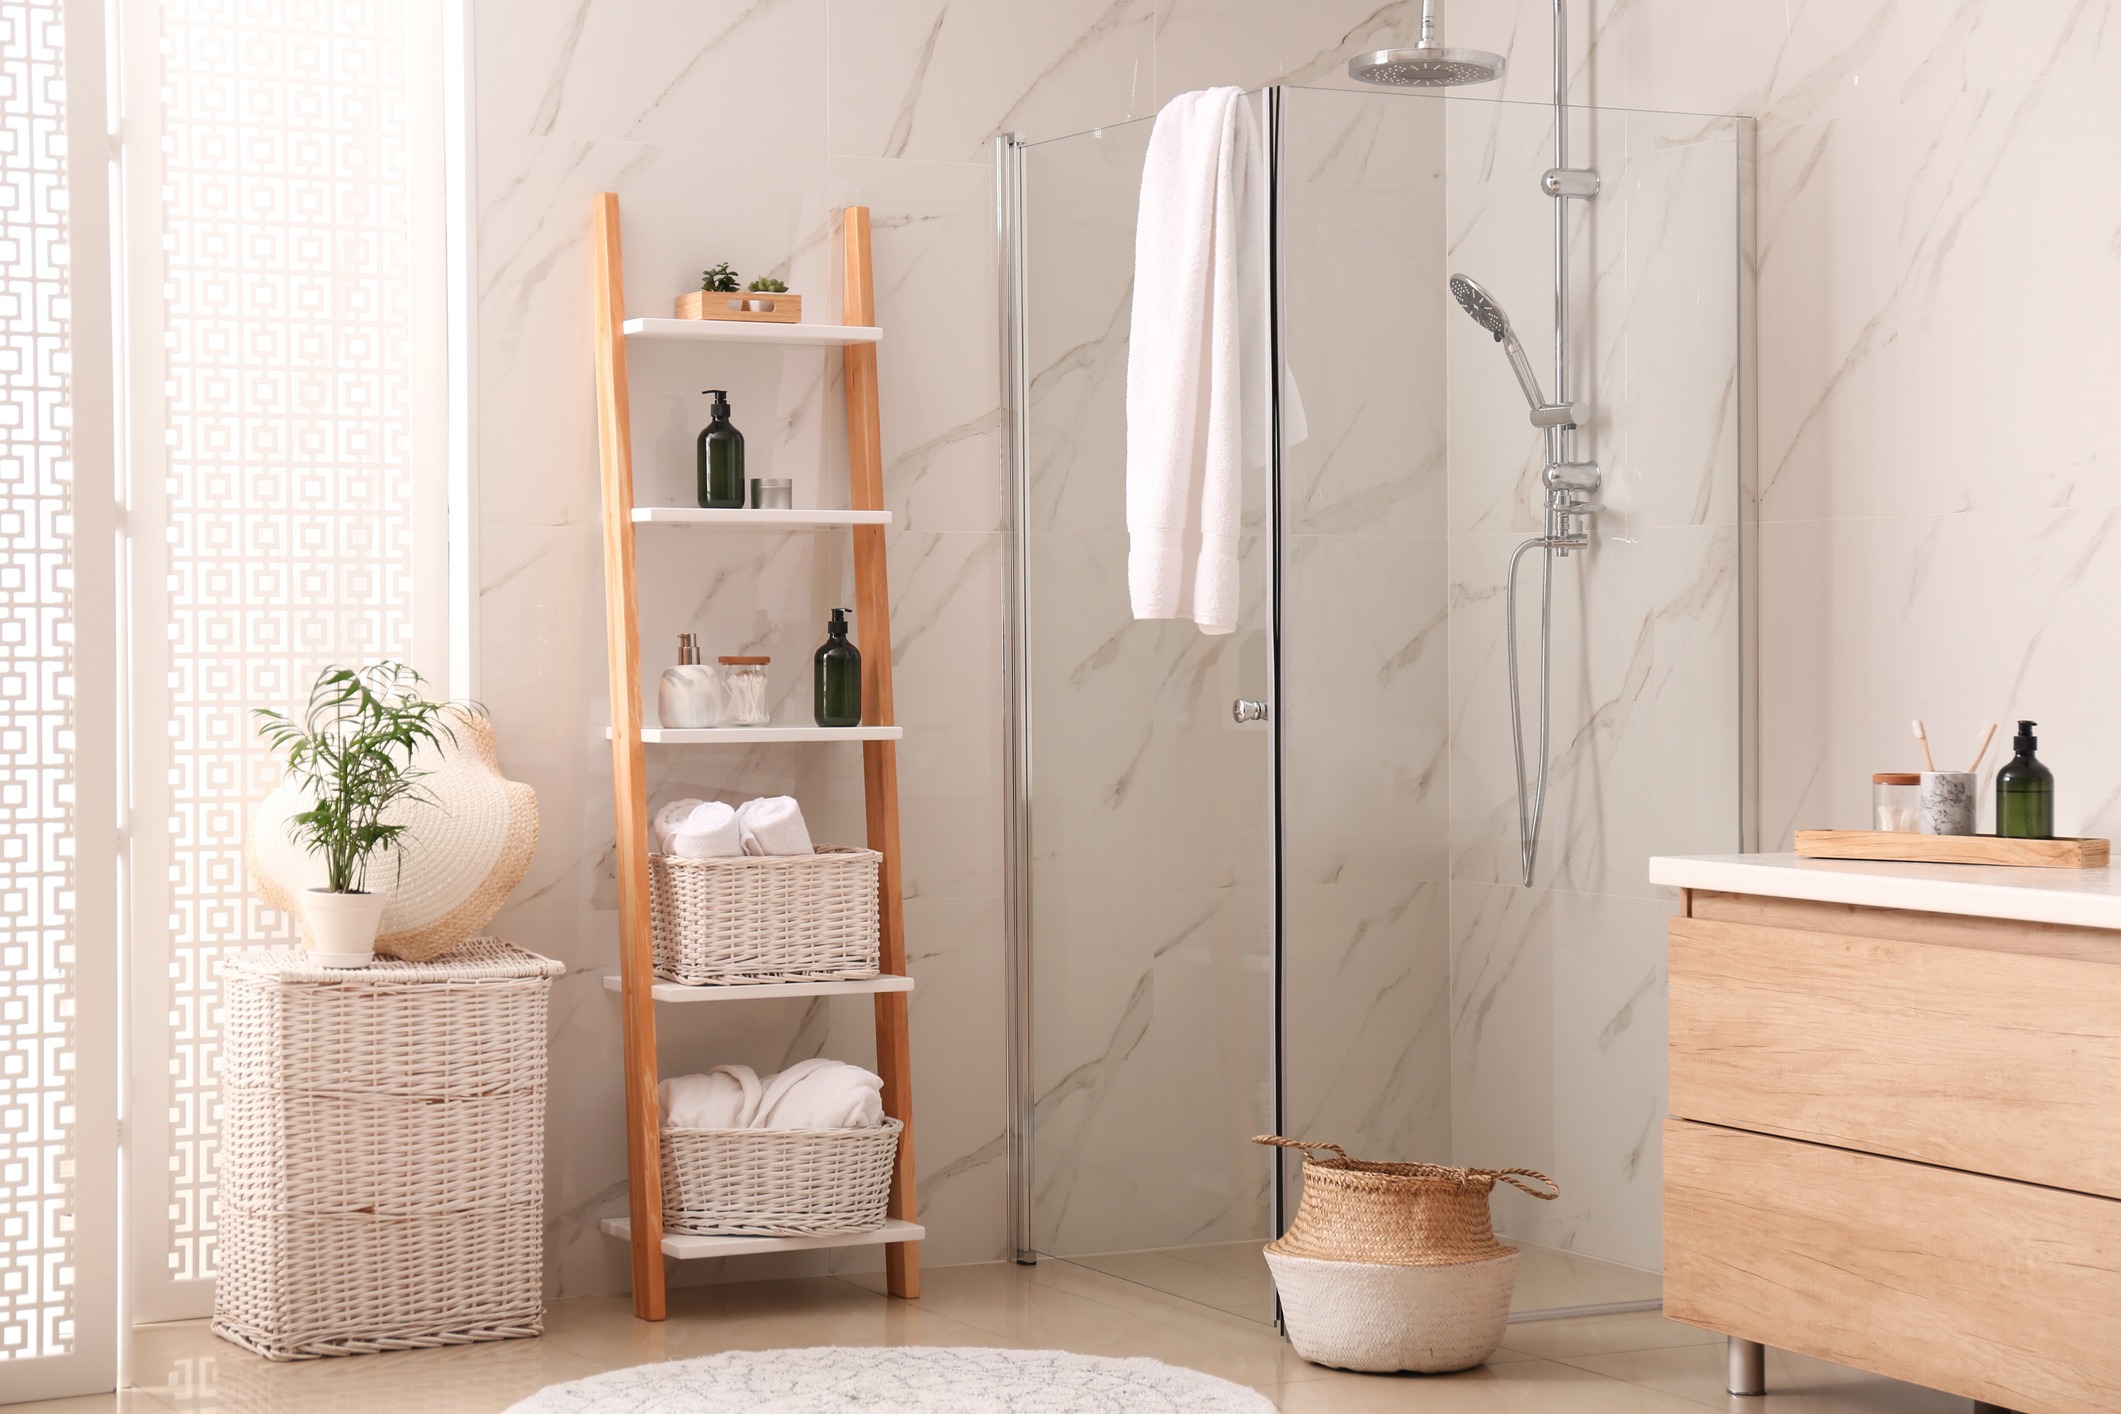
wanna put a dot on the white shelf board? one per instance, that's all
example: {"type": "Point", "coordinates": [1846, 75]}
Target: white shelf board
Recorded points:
{"type": "Point", "coordinates": [681, 1246]}
{"type": "Point", "coordinates": [756, 520]}
{"type": "Point", "coordinates": [752, 736]}
{"type": "Point", "coordinates": [768, 991]}
{"type": "Point", "coordinates": [730, 331]}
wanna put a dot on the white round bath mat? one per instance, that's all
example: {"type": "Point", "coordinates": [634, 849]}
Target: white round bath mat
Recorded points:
{"type": "Point", "coordinates": [838, 1379]}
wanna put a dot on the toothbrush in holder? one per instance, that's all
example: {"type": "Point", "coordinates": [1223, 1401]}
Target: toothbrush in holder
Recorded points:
{"type": "Point", "coordinates": [1928, 764]}
{"type": "Point", "coordinates": [1986, 737]}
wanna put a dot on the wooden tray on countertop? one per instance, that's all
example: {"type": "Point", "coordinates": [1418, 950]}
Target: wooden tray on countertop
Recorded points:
{"type": "Point", "coordinates": [1952, 849]}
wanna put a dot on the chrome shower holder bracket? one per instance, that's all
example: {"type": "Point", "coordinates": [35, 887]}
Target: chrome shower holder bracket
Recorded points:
{"type": "Point", "coordinates": [1579, 183]}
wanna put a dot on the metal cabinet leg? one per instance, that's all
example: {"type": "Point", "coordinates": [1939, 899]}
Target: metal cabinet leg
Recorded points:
{"type": "Point", "coordinates": [1746, 1371]}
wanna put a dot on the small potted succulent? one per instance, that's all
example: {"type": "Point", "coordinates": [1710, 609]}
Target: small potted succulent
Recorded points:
{"type": "Point", "coordinates": [723, 295]}
{"type": "Point", "coordinates": [351, 752]}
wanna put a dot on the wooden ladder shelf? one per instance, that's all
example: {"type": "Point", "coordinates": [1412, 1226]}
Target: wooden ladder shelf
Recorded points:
{"type": "Point", "coordinates": [636, 983]}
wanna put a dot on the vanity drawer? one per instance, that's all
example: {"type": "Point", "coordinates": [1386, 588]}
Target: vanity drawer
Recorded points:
{"type": "Point", "coordinates": [1983, 1058]}
{"type": "Point", "coordinates": [2000, 1291]}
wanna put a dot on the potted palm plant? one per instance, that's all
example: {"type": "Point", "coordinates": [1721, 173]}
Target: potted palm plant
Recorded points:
{"type": "Point", "coordinates": [352, 753]}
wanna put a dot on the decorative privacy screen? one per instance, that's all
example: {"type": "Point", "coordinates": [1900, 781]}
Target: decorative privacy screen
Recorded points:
{"type": "Point", "coordinates": [37, 992]}
{"type": "Point", "coordinates": [288, 326]}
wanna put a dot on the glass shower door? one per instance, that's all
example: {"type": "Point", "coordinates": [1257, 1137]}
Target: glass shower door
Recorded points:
{"type": "Point", "coordinates": [1149, 805]}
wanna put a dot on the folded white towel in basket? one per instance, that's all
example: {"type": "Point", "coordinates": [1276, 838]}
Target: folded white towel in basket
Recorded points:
{"type": "Point", "coordinates": [698, 829]}
{"type": "Point", "coordinates": [726, 1097]}
{"type": "Point", "coordinates": [667, 820]}
{"type": "Point", "coordinates": [773, 824]}
{"type": "Point", "coordinates": [821, 1094]}
{"type": "Point", "coordinates": [811, 1094]}
{"type": "Point", "coordinates": [709, 832]}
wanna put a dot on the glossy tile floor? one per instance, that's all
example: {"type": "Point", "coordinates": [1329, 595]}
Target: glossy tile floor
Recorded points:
{"type": "Point", "coordinates": [1636, 1364]}
{"type": "Point", "coordinates": [1233, 1277]}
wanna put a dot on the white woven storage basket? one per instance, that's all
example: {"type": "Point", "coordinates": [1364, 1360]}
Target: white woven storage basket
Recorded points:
{"type": "Point", "coordinates": [776, 918]}
{"type": "Point", "coordinates": [382, 1151]}
{"type": "Point", "coordinates": [777, 1182]}
{"type": "Point", "coordinates": [1366, 1316]}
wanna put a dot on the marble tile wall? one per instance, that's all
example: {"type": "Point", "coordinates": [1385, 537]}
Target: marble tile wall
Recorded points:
{"type": "Point", "coordinates": [1557, 991]}
{"type": "Point", "coordinates": [1927, 253]}
{"type": "Point", "coordinates": [736, 130]}
{"type": "Point", "coordinates": [1150, 905]}
{"type": "Point", "coordinates": [1936, 290]}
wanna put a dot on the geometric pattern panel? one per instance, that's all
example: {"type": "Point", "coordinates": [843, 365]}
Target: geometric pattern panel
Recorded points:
{"type": "Point", "coordinates": [37, 998]}
{"type": "Point", "coordinates": [288, 330]}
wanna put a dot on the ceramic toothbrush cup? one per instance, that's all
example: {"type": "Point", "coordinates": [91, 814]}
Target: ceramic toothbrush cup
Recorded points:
{"type": "Point", "coordinates": [1948, 802]}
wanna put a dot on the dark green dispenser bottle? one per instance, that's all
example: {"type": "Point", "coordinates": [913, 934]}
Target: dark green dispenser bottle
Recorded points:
{"type": "Point", "coordinates": [839, 677]}
{"type": "Point", "coordinates": [721, 459]}
{"type": "Point", "coordinates": [2025, 792]}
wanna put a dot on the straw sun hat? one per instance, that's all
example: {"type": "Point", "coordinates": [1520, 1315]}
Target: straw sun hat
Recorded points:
{"type": "Point", "coordinates": [470, 842]}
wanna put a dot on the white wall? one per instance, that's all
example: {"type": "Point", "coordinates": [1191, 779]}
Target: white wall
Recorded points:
{"type": "Point", "coordinates": [735, 130]}
{"type": "Point", "coordinates": [1937, 288]}
{"type": "Point", "coordinates": [1938, 342]}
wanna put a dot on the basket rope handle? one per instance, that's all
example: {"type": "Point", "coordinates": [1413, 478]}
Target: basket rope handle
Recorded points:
{"type": "Point", "coordinates": [1306, 1145]}
{"type": "Point", "coordinates": [1507, 1176]}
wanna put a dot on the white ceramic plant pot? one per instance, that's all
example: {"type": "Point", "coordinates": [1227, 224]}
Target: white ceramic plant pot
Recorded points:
{"type": "Point", "coordinates": [342, 927]}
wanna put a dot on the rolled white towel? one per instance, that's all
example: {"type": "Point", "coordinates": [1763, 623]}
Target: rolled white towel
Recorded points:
{"type": "Point", "coordinates": [773, 824]}
{"type": "Point", "coordinates": [669, 819]}
{"type": "Point", "coordinates": [709, 832]}
{"type": "Point", "coordinates": [821, 1094]}
{"type": "Point", "coordinates": [726, 1097]}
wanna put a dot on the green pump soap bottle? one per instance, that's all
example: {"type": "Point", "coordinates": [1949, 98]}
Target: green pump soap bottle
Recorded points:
{"type": "Point", "coordinates": [839, 677]}
{"type": "Point", "coordinates": [2025, 792]}
{"type": "Point", "coordinates": [721, 459]}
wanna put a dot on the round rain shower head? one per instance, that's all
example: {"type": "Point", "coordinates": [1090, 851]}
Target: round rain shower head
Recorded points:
{"type": "Point", "coordinates": [1481, 305]}
{"type": "Point", "coordinates": [1427, 66]}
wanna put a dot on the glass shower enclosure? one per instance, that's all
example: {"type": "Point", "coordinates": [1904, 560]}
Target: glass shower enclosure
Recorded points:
{"type": "Point", "coordinates": [1311, 922]}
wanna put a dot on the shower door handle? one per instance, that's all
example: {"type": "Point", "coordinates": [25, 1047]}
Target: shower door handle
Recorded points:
{"type": "Point", "coordinates": [1244, 709]}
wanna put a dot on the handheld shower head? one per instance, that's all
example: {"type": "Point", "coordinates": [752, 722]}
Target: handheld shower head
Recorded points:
{"type": "Point", "coordinates": [1428, 64]}
{"type": "Point", "coordinates": [1481, 307]}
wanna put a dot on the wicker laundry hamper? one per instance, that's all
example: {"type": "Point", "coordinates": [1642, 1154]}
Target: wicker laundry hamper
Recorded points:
{"type": "Point", "coordinates": [765, 918]}
{"type": "Point", "coordinates": [382, 1151]}
{"type": "Point", "coordinates": [1395, 1266]}
{"type": "Point", "coordinates": [778, 1182]}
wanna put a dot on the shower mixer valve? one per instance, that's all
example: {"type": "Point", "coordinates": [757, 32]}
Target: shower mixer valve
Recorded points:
{"type": "Point", "coordinates": [1570, 487]}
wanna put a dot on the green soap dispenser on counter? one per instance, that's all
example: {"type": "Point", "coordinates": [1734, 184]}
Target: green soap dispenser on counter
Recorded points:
{"type": "Point", "coordinates": [2025, 792]}
{"type": "Point", "coordinates": [838, 673]}
{"type": "Point", "coordinates": [721, 459]}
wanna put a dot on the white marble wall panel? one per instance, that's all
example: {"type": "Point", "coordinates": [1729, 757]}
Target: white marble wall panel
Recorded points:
{"type": "Point", "coordinates": [736, 131]}
{"type": "Point", "coordinates": [1644, 737]}
{"type": "Point", "coordinates": [729, 135]}
{"type": "Point", "coordinates": [1557, 1059]}
{"type": "Point", "coordinates": [1935, 272]}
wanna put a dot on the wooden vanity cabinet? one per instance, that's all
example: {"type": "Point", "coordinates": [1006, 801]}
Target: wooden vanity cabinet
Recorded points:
{"type": "Point", "coordinates": [1895, 1143]}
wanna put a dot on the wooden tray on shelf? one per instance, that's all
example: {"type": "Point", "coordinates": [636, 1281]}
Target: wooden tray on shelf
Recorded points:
{"type": "Point", "coordinates": [1952, 849]}
{"type": "Point", "coordinates": [746, 306]}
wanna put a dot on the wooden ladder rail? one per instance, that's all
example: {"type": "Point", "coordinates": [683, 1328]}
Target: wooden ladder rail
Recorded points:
{"type": "Point", "coordinates": [629, 776]}
{"type": "Point", "coordinates": [872, 612]}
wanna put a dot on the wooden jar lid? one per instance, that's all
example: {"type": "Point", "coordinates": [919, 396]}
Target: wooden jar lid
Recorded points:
{"type": "Point", "coordinates": [743, 660]}
{"type": "Point", "coordinates": [1883, 778]}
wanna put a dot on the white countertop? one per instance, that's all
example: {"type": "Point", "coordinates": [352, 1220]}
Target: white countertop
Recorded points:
{"type": "Point", "coordinates": [2086, 898]}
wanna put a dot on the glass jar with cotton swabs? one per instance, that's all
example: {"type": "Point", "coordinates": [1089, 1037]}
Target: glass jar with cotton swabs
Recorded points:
{"type": "Point", "coordinates": [1896, 802]}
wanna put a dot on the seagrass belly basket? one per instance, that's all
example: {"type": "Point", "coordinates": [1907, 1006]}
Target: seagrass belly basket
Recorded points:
{"type": "Point", "coordinates": [1395, 1266]}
